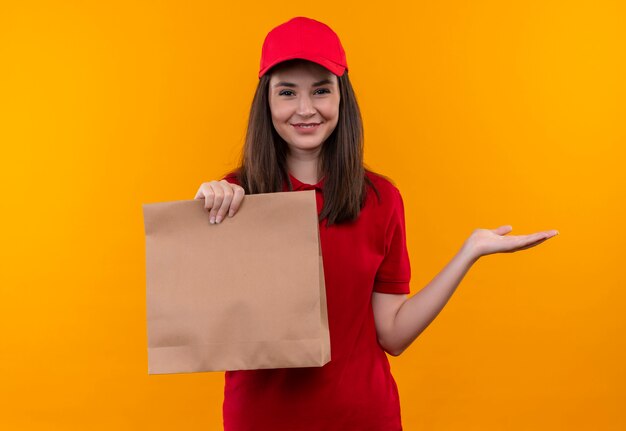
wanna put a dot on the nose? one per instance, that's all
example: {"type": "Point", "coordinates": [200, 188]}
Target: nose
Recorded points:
{"type": "Point", "coordinates": [305, 106]}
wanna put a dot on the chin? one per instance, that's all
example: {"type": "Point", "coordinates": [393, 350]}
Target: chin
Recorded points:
{"type": "Point", "coordinates": [304, 143]}
{"type": "Point", "coordinates": [306, 147]}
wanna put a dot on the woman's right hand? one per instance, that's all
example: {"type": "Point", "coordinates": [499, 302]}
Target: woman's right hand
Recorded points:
{"type": "Point", "coordinates": [220, 197]}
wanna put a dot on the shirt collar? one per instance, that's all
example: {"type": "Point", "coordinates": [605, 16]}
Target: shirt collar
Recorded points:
{"type": "Point", "coordinates": [299, 185]}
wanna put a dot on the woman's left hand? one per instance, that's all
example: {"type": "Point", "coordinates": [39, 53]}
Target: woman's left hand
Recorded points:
{"type": "Point", "coordinates": [488, 241]}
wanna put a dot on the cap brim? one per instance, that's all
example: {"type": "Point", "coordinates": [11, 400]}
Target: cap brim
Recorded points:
{"type": "Point", "coordinates": [332, 66]}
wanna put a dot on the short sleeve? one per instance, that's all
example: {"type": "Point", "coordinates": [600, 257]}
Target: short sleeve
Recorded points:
{"type": "Point", "coordinates": [394, 273]}
{"type": "Point", "coordinates": [232, 178]}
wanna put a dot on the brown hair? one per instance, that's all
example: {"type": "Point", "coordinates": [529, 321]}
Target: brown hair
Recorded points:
{"type": "Point", "coordinates": [263, 163]}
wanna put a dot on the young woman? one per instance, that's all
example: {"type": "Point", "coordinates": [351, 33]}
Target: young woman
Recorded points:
{"type": "Point", "coordinates": [305, 133]}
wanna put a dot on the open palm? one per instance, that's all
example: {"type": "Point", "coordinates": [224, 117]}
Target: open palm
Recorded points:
{"type": "Point", "coordinates": [489, 241]}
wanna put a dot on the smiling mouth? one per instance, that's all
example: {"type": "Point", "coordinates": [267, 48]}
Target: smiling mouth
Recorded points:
{"type": "Point", "coordinates": [306, 125]}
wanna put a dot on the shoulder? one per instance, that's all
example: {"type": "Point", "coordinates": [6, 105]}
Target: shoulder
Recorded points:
{"type": "Point", "coordinates": [232, 177]}
{"type": "Point", "coordinates": [379, 179]}
{"type": "Point", "coordinates": [388, 192]}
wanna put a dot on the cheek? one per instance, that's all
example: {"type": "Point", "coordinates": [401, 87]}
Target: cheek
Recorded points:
{"type": "Point", "coordinates": [331, 108]}
{"type": "Point", "coordinates": [279, 113]}
{"type": "Point", "coordinates": [331, 115]}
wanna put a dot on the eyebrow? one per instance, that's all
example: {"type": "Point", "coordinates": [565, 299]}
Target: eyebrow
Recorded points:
{"type": "Point", "coordinates": [291, 84]}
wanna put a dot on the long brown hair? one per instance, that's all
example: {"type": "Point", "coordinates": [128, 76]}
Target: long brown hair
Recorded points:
{"type": "Point", "coordinates": [263, 163]}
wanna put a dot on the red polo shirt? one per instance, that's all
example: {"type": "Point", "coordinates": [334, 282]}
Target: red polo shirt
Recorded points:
{"type": "Point", "coordinates": [355, 390]}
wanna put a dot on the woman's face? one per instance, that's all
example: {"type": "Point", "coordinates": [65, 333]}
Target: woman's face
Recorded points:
{"type": "Point", "coordinates": [304, 93]}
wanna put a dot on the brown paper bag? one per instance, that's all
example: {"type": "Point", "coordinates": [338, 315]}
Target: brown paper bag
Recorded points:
{"type": "Point", "coordinates": [247, 293]}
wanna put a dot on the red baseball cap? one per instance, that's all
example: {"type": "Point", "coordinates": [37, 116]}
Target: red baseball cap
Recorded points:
{"type": "Point", "coordinates": [305, 38]}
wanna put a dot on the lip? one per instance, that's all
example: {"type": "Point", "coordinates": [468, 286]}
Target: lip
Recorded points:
{"type": "Point", "coordinates": [306, 130]}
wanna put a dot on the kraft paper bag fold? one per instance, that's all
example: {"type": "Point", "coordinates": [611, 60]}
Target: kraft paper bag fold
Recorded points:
{"type": "Point", "coordinates": [247, 293]}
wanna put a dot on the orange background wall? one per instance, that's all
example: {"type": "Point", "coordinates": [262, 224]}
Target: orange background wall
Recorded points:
{"type": "Point", "coordinates": [484, 113]}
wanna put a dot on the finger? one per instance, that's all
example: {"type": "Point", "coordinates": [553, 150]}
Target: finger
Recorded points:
{"type": "Point", "coordinates": [503, 230]}
{"type": "Point", "coordinates": [544, 234]}
{"type": "Point", "coordinates": [532, 244]}
{"type": "Point", "coordinates": [228, 197]}
{"type": "Point", "coordinates": [208, 194]}
{"type": "Point", "coordinates": [237, 200]}
{"type": "Point", "coordinates": [527, 241]}
{"type": "Point", "coordinates": [199, 194]}
{"type": "Point", "coordinates": [532, 239]}
{"type": "Point", "coordinates": [218, 197]}
{"type": "Point", "coordinates": [541, 235]}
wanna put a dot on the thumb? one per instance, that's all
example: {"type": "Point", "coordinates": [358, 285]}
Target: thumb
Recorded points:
{"type": "Point", "coordinates": [503, 230]}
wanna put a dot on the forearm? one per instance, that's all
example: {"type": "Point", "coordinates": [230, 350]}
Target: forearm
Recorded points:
{"type": "Point", "coordinates": [417, 312]}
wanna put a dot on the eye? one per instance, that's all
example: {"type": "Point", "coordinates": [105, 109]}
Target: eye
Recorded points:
{"type": "Point", "coordinates": [290, 93]}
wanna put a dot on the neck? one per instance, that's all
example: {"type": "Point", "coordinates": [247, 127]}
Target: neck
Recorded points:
{"type": "Point", "coordinates": [304, 166]}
